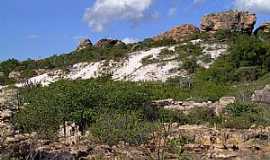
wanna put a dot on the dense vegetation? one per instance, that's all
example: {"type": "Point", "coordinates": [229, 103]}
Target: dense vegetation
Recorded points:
{"type": "Point", "coordinates": [121, 111]}
{"type": "Point", "coordinates": [248, 59]}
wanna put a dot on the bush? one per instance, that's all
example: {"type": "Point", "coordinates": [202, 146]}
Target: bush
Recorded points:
{"type": "Point", "coordinates": [248, 60]}
{"type": "Point", "coordinates": [111, 128]}
{"type": "Point", "coordinates": [78, 101]}
{"type": "Point", "coordinates": [244, 115]}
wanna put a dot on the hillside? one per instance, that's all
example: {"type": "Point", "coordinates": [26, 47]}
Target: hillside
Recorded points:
{"type": "Point", "coordinates": [189, 93]}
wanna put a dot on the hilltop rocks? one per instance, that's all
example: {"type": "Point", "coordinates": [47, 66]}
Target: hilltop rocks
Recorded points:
{"type": "Point", "coordinates": [264, 28]}
{"type": "Point", "coordinates": [84, 43]}
{"type": "Point", "coordinates": [234, 21]}
{"type": "Point", "coordinates": [262, 96]}
{"type": "Point", "coordinates": [179, 33]}
{"type": "Point", "coordinates": [109, 43]}
{"type": "Point", "coordinates": [230, 20]}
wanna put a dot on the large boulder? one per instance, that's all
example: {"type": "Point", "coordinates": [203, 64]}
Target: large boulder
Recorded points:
{"type": "Point", "coordinates": [264, 28]}
{"type": "Point", "coordinates": [109, 43]}
{"type": "Point", "coordinates": [84, 43]}
{"type": "Point", "coordinates": [262, 96]}
{"type": "Point", "coordinates": [234, 21]}
{"type": "Point", "coordinates": [179, 33]}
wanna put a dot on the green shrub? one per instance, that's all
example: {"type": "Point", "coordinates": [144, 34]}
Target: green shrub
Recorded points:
{"type": "Point", "coordinates": [244, 115]}
{"type": "Point", "coordinates": [111, 128]}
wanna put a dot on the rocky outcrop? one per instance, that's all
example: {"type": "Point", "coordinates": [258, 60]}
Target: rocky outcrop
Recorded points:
{"type": "Point", "coordinates": [186, 106]}
{"type": "Point", "coordinates": [109, 43]}
{"type": "Point", "coordinates": [233, 21]}
{"type": "Point", "coordinates": [70, 133]}
{"type": "Point", "coordinates": [262, 96]}
{"type": "Point", "coordinates": [264, 28]}
{"type": "Point", "coordinates": [84, 43]}
{"type": "Point", "coordinates": [179, 33]}
{"type": "Point", "coordinates": [16, 75]}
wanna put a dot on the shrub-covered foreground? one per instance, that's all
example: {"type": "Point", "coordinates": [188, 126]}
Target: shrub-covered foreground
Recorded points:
{"type": "Point", "coordinates": [121, 111]}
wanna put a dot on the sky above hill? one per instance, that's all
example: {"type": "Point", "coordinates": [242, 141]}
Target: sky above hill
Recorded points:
{"type": "Point", "coordinates": [38, 29]}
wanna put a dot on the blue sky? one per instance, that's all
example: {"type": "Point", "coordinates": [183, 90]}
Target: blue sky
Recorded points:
{"type": "Point", "coordinates": [38, 29]}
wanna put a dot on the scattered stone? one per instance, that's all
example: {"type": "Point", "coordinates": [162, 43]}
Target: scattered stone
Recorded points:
{"type": "Point", "coordinates": [179, 33]}
{"type": "Point", "coordinates": [234, 21]}
{"type": "Point", "coordinates": [262, 96]}
{"type": "Point", "coordinates": [6, 114]}
{"type": "Point", "coordinates": [70, 133]}
{"type": "Point", "coordinates": [227, 100]}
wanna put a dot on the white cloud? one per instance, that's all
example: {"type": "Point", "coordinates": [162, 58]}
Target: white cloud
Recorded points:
{"type": "Point", "coordinates": [253, 5]}
{"type": "Point", "coordinates": [103, 12]}
{"type": "Point", "coordinates": [130, 40]}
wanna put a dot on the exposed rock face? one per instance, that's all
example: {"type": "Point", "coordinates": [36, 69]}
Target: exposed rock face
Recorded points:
{"type": "Point", "coordinates": [84, 43]}
{"type": "Point", "coordinates": [108, 43]}
{"type": "Point", "coordinates": [264, 28]}
{"type": "Point", "coordinates": [262, 96]}
{"type": "Point", "coordinates": [179, 33]}
{"type": "Point", "coordinates": [216, 107]}
{"type": "Point", "coordinates": [230, 20]}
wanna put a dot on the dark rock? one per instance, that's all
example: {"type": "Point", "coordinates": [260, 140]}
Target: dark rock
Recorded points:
{"type": "Point", "coordinates": [84, 43]}
{"type": "Point", "coordinates": [109, 43]}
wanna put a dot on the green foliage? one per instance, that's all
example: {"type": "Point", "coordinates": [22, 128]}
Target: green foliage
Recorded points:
{"type": "Point", "coordinates": [189, 50]}
{"type": "Point", "coordinates": [190, 65]}
{"type": "Point", "coordinates": [111, 128]}
{"type": "Point", "coordinates": [79, 101]}
{"type": "Point", "coordinates": [238, 109]}
{"type": "Point", "coordinates": [176, 145]}
{"type": "Point", "coordinates": [244, 115]}
{"type": "Point", "coordinates": [5, 68]}
{"type": "Point", "coordinates": [188, 55]}
{"type": "Point", "coordinates": [248, 60]}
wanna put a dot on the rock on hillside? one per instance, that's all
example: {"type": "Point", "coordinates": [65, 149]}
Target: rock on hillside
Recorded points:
{"type": "Point", "coordinates": [262, 96]}
{"type": "Point", "coordinates": [84, 43]}
{"type": "Point", "coordinates": [103, 43]}
{"type": "Point", "coordinates": [229, 20]}
{"type": "Point", "coordinates": [179, 33]}
{"type": "Point", "coordinates": [264, 28]}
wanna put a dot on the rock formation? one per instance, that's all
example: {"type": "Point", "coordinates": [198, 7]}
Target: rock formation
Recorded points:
{"type": "Point", "coordinates": [179, 33]}
{"type": "Point", "coordinates": [229, 20]}
{"type": "Point", "coordinates": [84, 43]}
{"type": "Point", "coordinates": [262, 96]}
{"type": "Point", "coordinates": [15, 75]}
{"type": "Point", "coordinates": [108, 43]}
{"type": "Point", "coordinates": [186, 106]}
{"type": "Point", "coordinates": [264, 28]}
